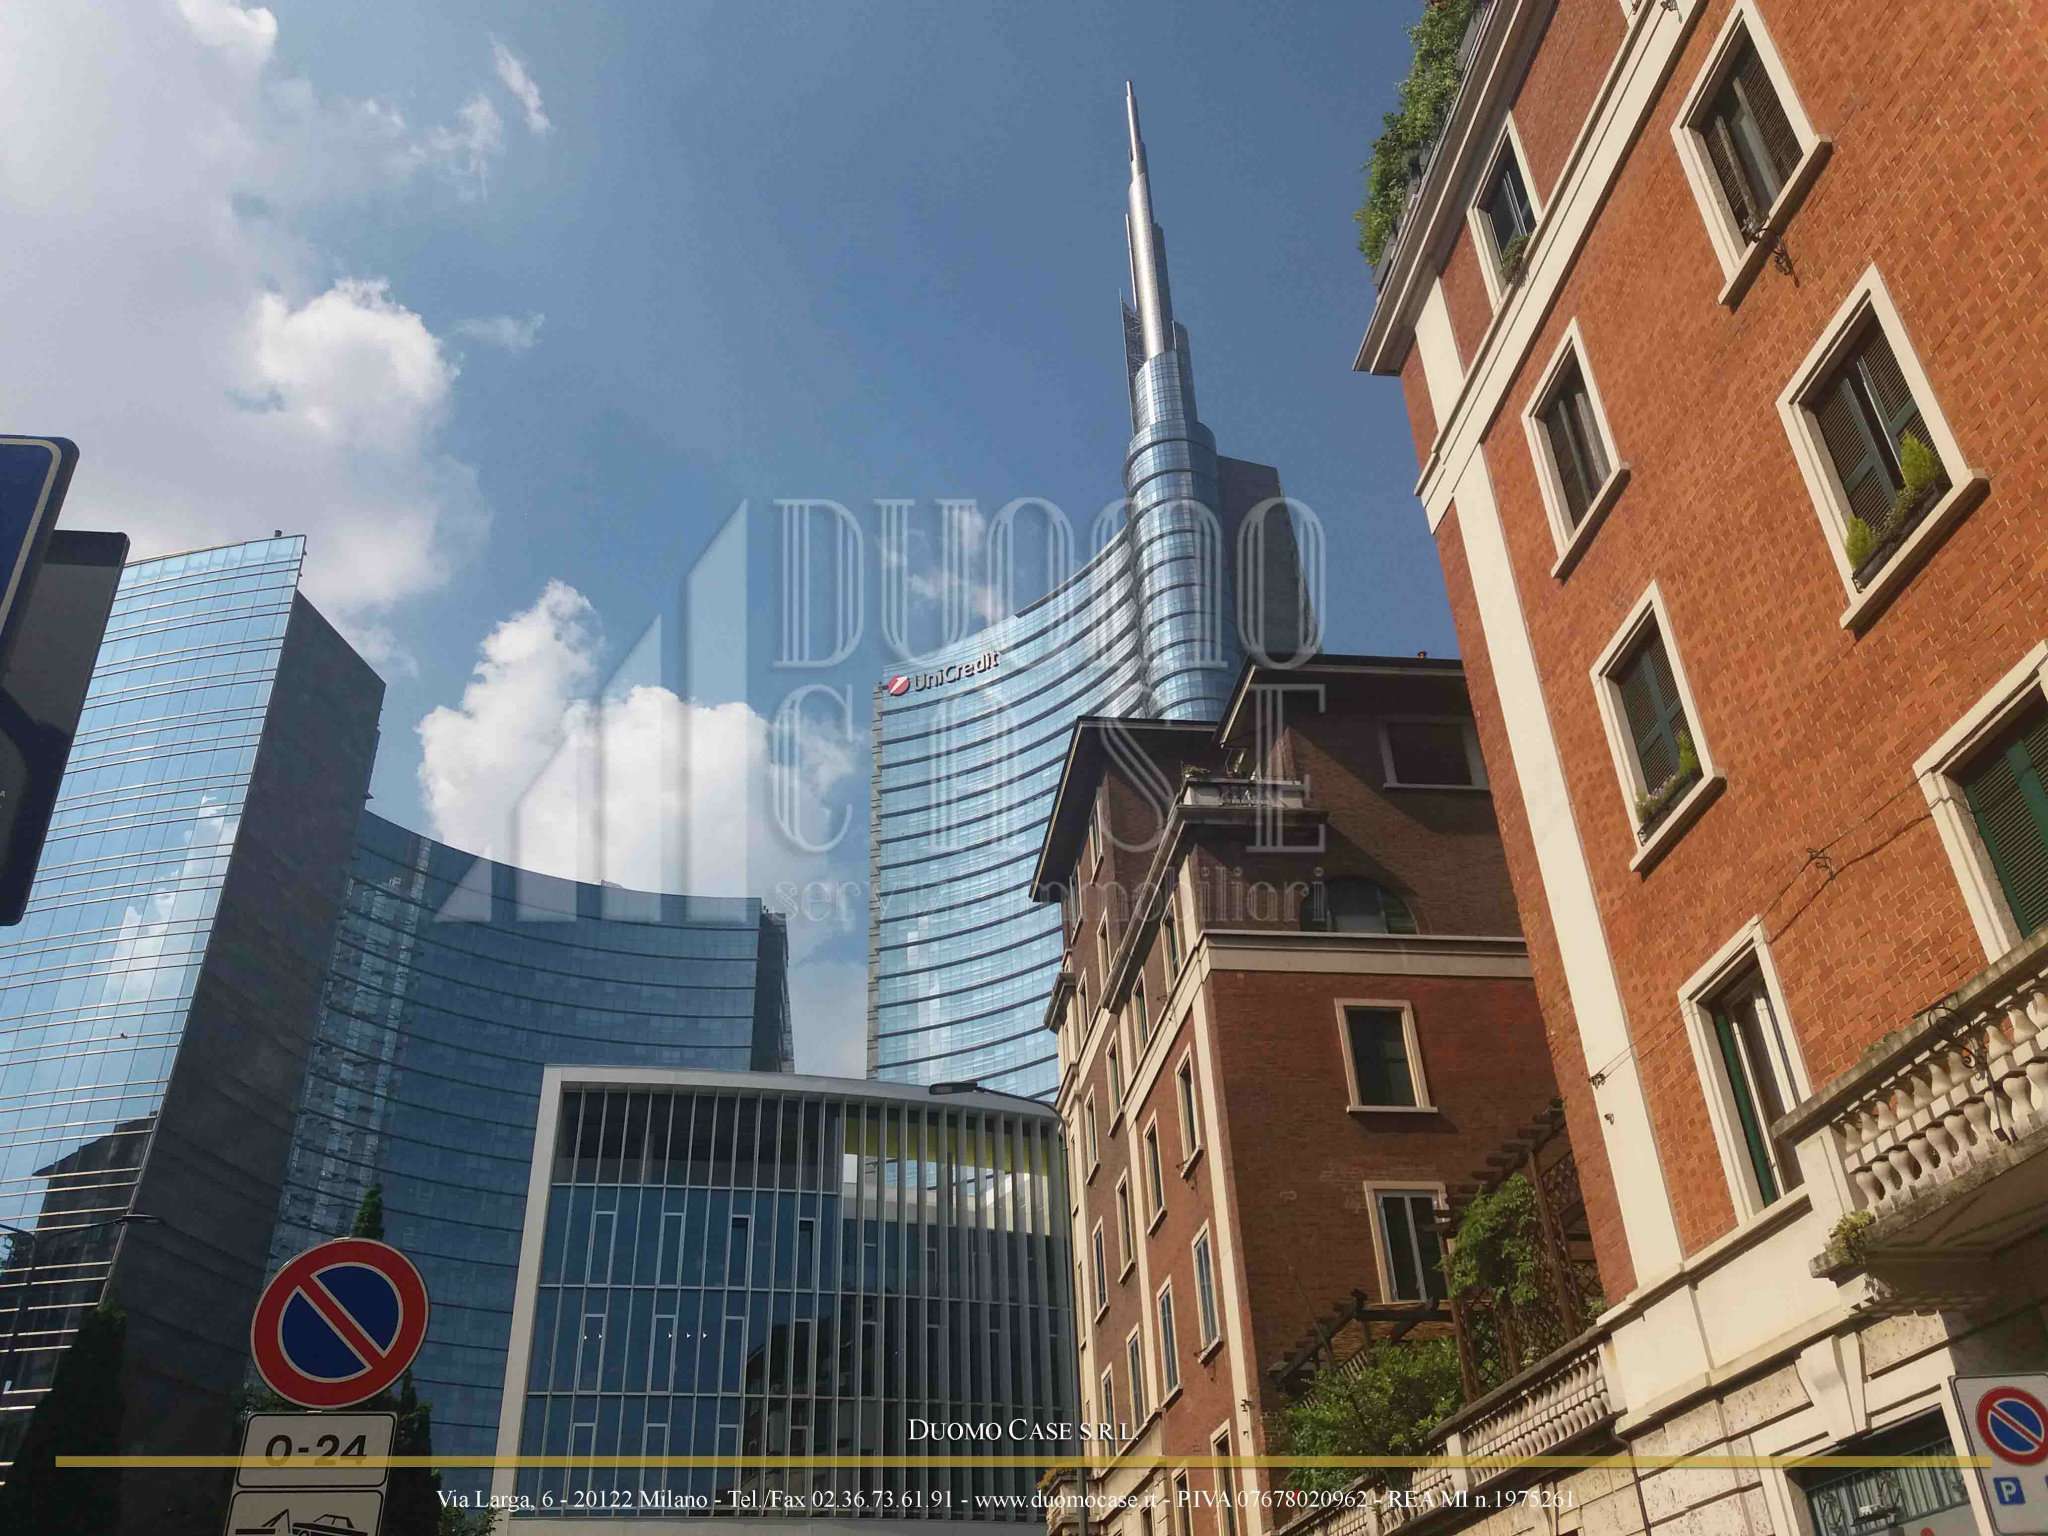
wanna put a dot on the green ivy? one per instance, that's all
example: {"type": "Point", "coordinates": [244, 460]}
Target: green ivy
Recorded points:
{"type": "Point", "coordinates": [1410, 129]}
{"type": "Point", "coordinates": [1387, 1402]}
{"type": "Point", "coordinates": [1496, 1270]}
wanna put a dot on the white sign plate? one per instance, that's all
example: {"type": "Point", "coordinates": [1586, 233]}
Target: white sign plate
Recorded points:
{"type": "Point", "coordinates": [2005, 1419]}
{"type": "Point", "coordinates": [315, 1450]}
{"type": "Point", "coordinates": [306, 1512]}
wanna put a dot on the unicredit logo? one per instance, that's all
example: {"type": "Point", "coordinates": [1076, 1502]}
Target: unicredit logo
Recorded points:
{"type": "Point", "coordinates": [905, 682]}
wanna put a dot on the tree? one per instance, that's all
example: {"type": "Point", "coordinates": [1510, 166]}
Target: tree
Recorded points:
{"type": "Point", "coordinates": [370, 1214]}
{"type": "Point", "coordinates": [1386, 1402]}
{"type": "Point", "coordinates": [81, 1416]}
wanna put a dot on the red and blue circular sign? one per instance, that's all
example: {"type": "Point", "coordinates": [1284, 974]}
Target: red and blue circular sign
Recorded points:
{"type": "Point", "coordinates": [339, 1323]}
{"type": "Point", "coordinates": [2014, 1425]}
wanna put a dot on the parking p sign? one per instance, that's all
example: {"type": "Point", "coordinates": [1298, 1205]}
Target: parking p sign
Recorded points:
{"type": "Point", "coordinates": [2006, 1421]}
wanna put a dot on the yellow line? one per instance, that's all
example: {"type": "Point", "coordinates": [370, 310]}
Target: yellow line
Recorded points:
{"type": "Point", "coordinates": [1358, 1463]}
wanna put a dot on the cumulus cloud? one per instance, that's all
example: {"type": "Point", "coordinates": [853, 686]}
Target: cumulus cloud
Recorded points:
{"type": "Point", "coordinates": [549, 764]}
{"type": "Point", "coordinates": [512, 71]}
{"type": "Point", "coordinates": [510, 333]}
{"type": "Point", "coordinates": [219, 377]}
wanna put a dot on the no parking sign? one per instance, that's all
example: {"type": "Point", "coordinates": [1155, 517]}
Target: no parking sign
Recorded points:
{"type": "Point", "coordinates": [2006, 1421]}
{"type": "Point", "coordinates": [339, 1323]}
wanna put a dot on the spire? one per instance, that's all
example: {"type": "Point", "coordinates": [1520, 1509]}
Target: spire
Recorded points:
{"type": "Point", "coordinates": [1147, 244]}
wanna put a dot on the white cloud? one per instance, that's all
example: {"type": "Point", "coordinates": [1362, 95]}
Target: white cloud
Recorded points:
{"type": "Point", "coordinates": [512, 333]}
{"type": "Point", "coordinates": [219, 377]}
{"type": "Point", "coordinates": [546, 764]}
{"type": "Point", "coordinates": [512, 71]}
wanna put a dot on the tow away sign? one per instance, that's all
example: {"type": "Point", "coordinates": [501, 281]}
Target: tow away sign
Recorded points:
{"type": "Point", "coordinates": [2006, 1421]}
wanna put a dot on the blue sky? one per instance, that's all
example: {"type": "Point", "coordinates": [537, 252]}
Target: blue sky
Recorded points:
{"type": "Point", "coordinates": [717, 253]}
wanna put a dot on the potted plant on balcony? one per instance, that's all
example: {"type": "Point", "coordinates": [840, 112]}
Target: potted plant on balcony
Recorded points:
{"type": "Point", "coordinates": [1514, 260]}
{"type": "Point", "coordinates": [1922, 480]}
{"type": "Point", "coordinates": [1651, 804]}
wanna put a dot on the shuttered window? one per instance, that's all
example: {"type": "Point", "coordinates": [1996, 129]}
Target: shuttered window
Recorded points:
{"type": "Point", "coordinates": [1750, 141]}
{"type": "Point", "coordinates": [1654, 712]}
{"type": "Point", "coordinates": [1510, 217]}
{"type": "Point", "coordinates": [2007, 789]}
{"type": "Point", "coordinates": [1758, 1077]}
{"type": "Point", "coordinates": [1865, 411]}
{"type": "Point", "coordinates": [1577, 451]}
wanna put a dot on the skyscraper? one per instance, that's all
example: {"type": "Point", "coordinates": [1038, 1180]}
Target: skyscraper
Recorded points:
{"type": "Point", "coordinates": [1203, 565]}
{"type": "Point", "coordinates": [156, 1002]}
{"type": "Point", "coordinates": [455, 981]}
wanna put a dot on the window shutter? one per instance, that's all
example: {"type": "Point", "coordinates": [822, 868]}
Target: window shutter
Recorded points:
{"type": "Point", "coordinates": [1581, 403]}
{"type": "Point", "coordinates": [2008, 796]}
{"type": "Point", "coordinates": [1714, 133]}
{"type": "Point", "coordinates": [1896, 408]}
{"type": "Point", "coordinates": [1859, 463]}
{"type": "Point", "coordinates": [1761, 97]}
{"type": "Point", "coordinates": [1744, 1095]}
{"type": "Point", "coordinates": [1650, 703]}
{"type": "Point", "coordinates": [1571, 475]}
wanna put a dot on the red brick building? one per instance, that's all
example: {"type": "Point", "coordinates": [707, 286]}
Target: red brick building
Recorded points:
{"type": "Point", "coordinates": [1294, 1008]}
{"type": "Point", "coordinates": [1721, 328]}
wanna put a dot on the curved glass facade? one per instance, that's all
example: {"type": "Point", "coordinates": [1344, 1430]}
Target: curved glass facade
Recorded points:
{"type": "Point", "coordinates": [968, 750]}
{"type": "Point", "coordinates": [787, 1267]}
{"type": "Point", "coordinates": [454, 981]}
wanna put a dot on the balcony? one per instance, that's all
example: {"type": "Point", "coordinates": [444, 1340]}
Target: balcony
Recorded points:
{"type": "Point", "coordinates": [1218, 792]}
{"type": "Point", "coordinates": [1941, 1131]}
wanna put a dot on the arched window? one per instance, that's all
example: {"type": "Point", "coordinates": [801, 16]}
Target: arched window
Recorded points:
{"type": "Point", "coordinates": [1352, 905]}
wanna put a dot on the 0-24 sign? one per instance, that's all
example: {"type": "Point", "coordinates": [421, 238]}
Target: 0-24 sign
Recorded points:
{"type": "Point", "coordinates": [316, 1450]}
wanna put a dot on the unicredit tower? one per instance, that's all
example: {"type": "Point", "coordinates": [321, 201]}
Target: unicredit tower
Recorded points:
{"type": "Point", "coordinates": [1201, 570]}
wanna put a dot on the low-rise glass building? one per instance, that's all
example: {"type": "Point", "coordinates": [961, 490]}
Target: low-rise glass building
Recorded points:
{"type": "Point", "coordinates": [770, 1266]}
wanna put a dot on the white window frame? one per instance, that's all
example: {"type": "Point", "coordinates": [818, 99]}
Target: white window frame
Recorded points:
{"type": "Point", "coordinates": [1152, 1158]}
{"type": "Point", "coordinates": [1140, 1008]}
{"type": "Point", "coordinates": [1094, 1134]}
{"type": "Point", "coordinates": [1746, 949]}
{"type": "Point", "coordinates": [1202, 1238]}
{"type": "Point", "coordinates": [1187, 1101]}
{"type": "Point", "coordinates": [1474, 763]}
{"type": "Point", "coordinates": [1424, 1104]}
{"type": "Point", "coordinates": [1173, 947]}
{"type": "Point", "coordinates": [1165, 1307]}
{"type": "Point", "coordinates": [1508, 143]}
{"type": "Point", "coordinates": [1113, 1068]}
{"type": "Point", "coordinates": [1106, 1403]}
{"type": "Point", "coordinates": [2023, 685]}
{"type": "Point", "coordinates": [1220, 1442]}
{"type": "Point", "coordinates": [1126, 1229]}
{"type": "Point", "coordinates": [1571, 542]}
{"type": "Point", "coordinates": [1871, 300]}
{"type": "Point", "coordinates": [1180, 1497]}
{"type": "Point", "coordinates": [1628, 772]}
{"type": "Point", "coordinates": [1134, 1367]}
{"type": "Point", "coordinates": [1382, 1259]}
{"type": "Point", "coordinates": [1740, 259]}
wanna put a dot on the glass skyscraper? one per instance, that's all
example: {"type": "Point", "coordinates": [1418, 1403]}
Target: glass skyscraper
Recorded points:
{"type": "Point", "coordinates": [157, 999]}
{"type": "Point", "coordinates": [780, 1266]}
{"type": "Point", "coordinates": [1203, 567]}
{"type": "Point", "coordinates": [454, 981]}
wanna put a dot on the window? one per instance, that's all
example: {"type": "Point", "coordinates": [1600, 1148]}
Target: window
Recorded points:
{"type": "Point", "coordinates": [1578, 470]}
{"type": "Point", "coordinates": [1660, 756]}
{"type": "Point", "coordinates": [1169, 936]}
{"type": "Point", "coordinates": [1380, 1055]}
{"type": "Point", "coordinates": [1351, 905]}
{"type": "Point", "coordinates": [1226, 1484]}
{"type": "Point", "coordinates": [1109, 1398]}
{"type": "Point", "coordinates": [1094, 1141]}
{"type": "Point", "coordinates": [1102, 953]}
{"type": "Point", "coordinates": [1116, 1079]}
{"type": "Point", "coordinates": [1749, 140]}
{"type": "Point", "coordinates": [1848, 1503]}
{"type": "Point", "coordinates": [1095, 818]}
{"type": "Point", "coordinates": [1141, 1014]}
{"type": "Point", "coordinates": [1754, 1071]}
{"type": "Point", "coordinates": [1126, 1229]}
{"type": "Point", "coordinates": [1431, 754]}
{"type": "Point", "coordinates": [1577, 453]}
{"type": "Point", "coordinates": [1134, 1362]}
{"type": "Point", "coordinates": [1411, 1252]}
{"type": "Point", "coordinates": [1506, 219]}
{"type": "Point", "coordinates": [1169, 1344]}
{"type": "Point", "coordinates": [1205, 1290]}
{"type": "Point", "coordinates": [1887, 476]}
{"type": "Point", "coordinates": [1101, 1273]}
{"type": "Point", "coordinates": [1183, 1506]}
{"type": "Point", "coordinates": [2006, 790]}
{"type": "Point", "coordinates": [1190, 1108]}
{"type": "Point", "coordinates": [1155, 1176]}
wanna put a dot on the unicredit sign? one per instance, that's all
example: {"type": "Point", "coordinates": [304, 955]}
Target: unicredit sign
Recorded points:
{"type": "Point", "coordinates": [960, 671]}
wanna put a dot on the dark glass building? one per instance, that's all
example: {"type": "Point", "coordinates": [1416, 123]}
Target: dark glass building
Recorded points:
{"type": "Point", "coordinates": [781, 1266]}
{"type": "Point", "coordinates": [454, 981]}
{"type": "Point", "coordinates": [157, 1000]}
{"type": "Point", "coordinates": [1203, 567]}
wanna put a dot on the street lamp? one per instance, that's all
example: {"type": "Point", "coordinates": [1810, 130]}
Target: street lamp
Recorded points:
{"type": "Point", "coordinates": [969, 1085]}
{"type": "Point", "coordinates": [127, 1218]}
